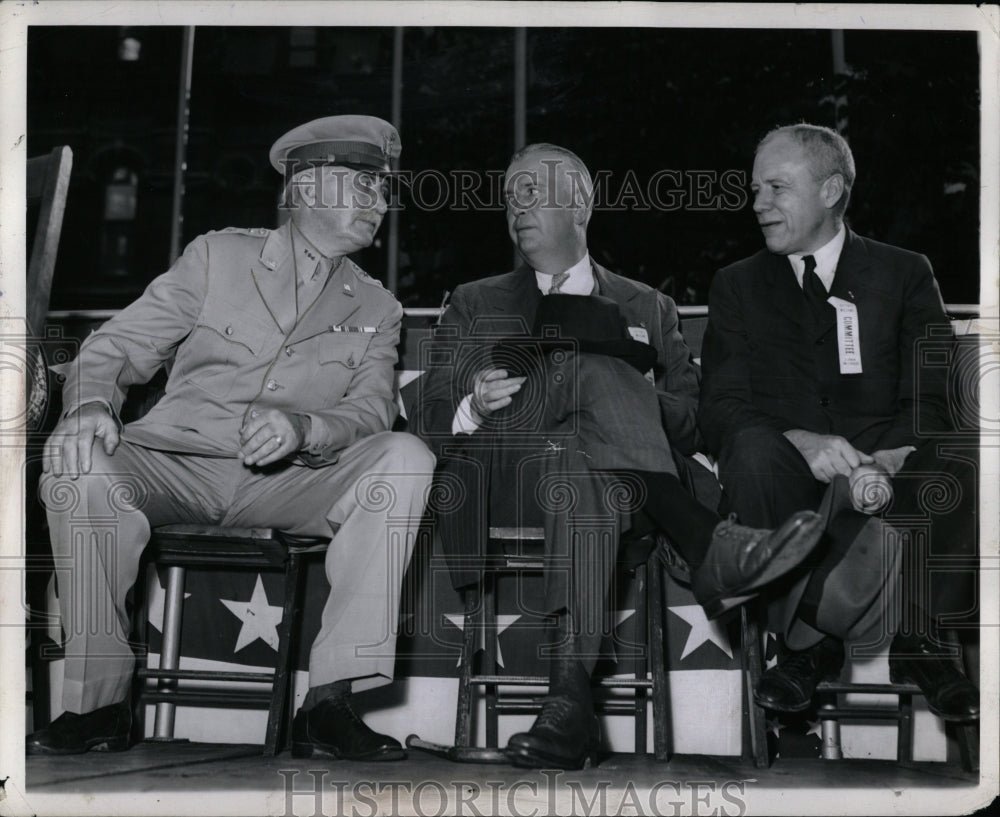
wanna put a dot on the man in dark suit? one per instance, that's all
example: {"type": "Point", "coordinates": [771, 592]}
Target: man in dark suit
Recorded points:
{"type": "Point", "coordinates": [812, 377]}
{"type": "Point", "coordinates": [575, 440]}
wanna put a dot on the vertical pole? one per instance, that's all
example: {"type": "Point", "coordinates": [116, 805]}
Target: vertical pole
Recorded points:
{"type": "Point", "coordinates": [180, 151]}
{"type": "Point", "coordinates": [840, 72]}
{"type": "Point", "coordinates": [520, 95]}
{"type": "Point", "coordinates": [520, 87]}
{"type": "Point", "coordinates": [392, 268]}
{"type": "Point", "coordinates": [837, 43]}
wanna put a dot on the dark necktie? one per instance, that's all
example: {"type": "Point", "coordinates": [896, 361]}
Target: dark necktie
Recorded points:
{"type": "Point", "coordinates": [813, 288]}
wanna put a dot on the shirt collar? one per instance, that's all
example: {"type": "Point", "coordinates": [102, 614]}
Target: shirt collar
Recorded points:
{"type": "Point", "coordinates": [826, 257]}
{"type": "Point", "coordinates": [580, 281]}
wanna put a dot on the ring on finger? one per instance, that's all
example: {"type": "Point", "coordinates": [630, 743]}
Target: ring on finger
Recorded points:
{"type": "Point", "coordinates": [277, 439]}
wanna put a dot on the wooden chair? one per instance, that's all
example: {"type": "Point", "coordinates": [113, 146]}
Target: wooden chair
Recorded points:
{"type": "Point", "coordinates": [46, 187]}
{"type": "Point", "coordinates": [517, 551]}
{"type": "Point", "coordinates": [833, 706]}
{"type": "Point", "coordinates": [179, 547]}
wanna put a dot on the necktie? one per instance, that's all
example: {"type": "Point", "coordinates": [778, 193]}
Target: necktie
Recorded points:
{"type": "Point", "coordinates": [558, 280]}
{"type": "Point", "coordinates": [813, 288]}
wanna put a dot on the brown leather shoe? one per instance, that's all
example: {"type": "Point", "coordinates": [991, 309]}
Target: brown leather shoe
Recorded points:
{"type": "Point", "coordinates": [741, 560]}
{"type": "Point", "coordinates": [333, 728]}
{"type": "Point", "coordinates": [71, 734]}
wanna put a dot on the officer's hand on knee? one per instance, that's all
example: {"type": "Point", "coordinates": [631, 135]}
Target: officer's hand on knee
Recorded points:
{"type": "Point", "coordinates": [69, 448]}
{"type": "Point", "coordinates": [270, 435]}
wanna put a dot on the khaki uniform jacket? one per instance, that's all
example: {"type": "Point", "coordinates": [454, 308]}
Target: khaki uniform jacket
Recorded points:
{"type": "Point", "coordinates": [223, 318]}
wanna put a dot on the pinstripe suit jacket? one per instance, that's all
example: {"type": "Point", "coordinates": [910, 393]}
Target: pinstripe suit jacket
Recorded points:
{"type": "Point", "coordinates": [484, 311]}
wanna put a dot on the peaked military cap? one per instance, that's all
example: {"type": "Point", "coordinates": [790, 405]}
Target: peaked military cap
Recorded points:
{"type": "Point", "coordinates": [359, 142]}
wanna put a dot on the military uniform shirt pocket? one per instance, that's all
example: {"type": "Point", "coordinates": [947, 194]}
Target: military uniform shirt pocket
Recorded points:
{"type": "Point", "coordinates": [339, 354]}
{"type": "Point", "coordinates": [224, 342]}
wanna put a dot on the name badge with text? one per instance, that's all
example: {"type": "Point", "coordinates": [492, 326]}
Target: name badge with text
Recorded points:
{"type": "Point", "coordinates": [640, 334]}
{"type": "Point", "coordinates": [848, 335]}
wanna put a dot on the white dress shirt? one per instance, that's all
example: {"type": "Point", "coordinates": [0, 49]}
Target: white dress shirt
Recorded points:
{"type": "Point", "coordinates": [826, 257]}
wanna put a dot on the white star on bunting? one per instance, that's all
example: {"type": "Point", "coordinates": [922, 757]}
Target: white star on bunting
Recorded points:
{"type": "Point", "coordinates": [702, 630]}
{"type": "Point", "coordinates": [260, 619]}
{"type": "Point", "coordinates": [621, 616]}
{"type": "Point", "coordinates": [816, 728]}
{"type": "Point", "coordinates": [775, 727]}
{"type": "Point", "coordinates": [157, 597]}
{"type": "Point", "coordinates": [773, 660]}
{"type": "Point", "coordinates": [503, 622]}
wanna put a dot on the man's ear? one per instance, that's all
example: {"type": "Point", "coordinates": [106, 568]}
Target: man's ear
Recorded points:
{"type": "Point", "coordinates": [581, 214]}
{"type": "Point", "coordinates": [301, 188]}
{"type": "Point", "coordinates": [832, 190]}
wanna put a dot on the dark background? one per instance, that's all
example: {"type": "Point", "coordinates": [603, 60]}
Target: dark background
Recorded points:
{"type": "Point", "coordinates": [640, 100]}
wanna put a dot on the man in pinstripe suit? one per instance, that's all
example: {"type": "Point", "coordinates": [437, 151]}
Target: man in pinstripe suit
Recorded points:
{"type": "Point", "coordinates": [577, 441]}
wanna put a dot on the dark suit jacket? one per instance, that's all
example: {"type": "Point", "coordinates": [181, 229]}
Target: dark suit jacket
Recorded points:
{"type": "Point", "coordinates": [482, 312]}
{"type": "Point", "coordinates": [766, 361]}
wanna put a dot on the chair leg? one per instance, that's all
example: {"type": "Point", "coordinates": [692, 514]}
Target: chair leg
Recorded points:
{"type": "Point", "coordinates": [752, 671]}
{"type": "Point", "coordinates": [641, 661]}
{"type": "Point", "coordinates": [967, 734]}
{"type": "Point", "coordinates": [904, 735]}
{"type": "Point", "coordinates": [968, 745]}
{"type": "Point", "coordinates": [657, 656]}
{"type": "Point", "coordinates": [830, 730]}
{"type": "Point", "coordinates": [490, 655]}
{"type": "Point", "coordinates": [463, 713]}
{"type": "Point", "coordinates": [173, 614]}
{"type": "Point", "coordinates": [140, 631]}
{"type": "Point", "coordinates": [40, 685]}
{"type": "Point", "coordinates": [277, 714]}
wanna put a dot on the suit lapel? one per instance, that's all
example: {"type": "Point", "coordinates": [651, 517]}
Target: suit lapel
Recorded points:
{"type": "Point", "coordinates": [852, 269]}
{"type": "Point", "coordinates": [847, 280]}
{"type": "Point", "coordinates": [783, 291]}
{"type": "Point", "coordinates": [274, 276]}
{"type": "Point", "coordinates": [516, 295]}
{"type": "Point", "coordinates": [613, 286]}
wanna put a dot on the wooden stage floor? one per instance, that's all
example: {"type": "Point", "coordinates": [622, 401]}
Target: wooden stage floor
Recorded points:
{"type": "Point", "coordinates": [197, 778]}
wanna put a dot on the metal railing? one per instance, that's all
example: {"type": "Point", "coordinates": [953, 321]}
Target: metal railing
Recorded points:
{"type": "Point", "coordinates": [694, 311]}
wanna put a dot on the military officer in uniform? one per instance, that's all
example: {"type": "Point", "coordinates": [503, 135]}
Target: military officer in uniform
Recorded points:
{"type": "Point", "coordinates": [277, 413]}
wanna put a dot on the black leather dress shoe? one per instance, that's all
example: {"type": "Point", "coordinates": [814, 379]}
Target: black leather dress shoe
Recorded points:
{"type": "Point", "coordinates": [106, 728]}
{"type": "Point", "coordinates": [741, 560]}
{"type": "Point", "coordinates": [566, 734]}
{"type": "Point", "coordinates": [332, 728]}
{"type": "Point", "coordinates": [950, 695]}
{"type": "Point", "coordinates": [563, 736]}
{"type": "Point", "coordinates": [789, 686]}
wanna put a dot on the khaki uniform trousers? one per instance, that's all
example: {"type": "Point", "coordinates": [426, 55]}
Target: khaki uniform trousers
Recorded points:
{"type": "Point", "coordinates": [370, 501]}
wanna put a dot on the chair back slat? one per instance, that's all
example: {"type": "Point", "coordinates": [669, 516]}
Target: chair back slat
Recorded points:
{"type": "Point", "coordinates": [47, 184]}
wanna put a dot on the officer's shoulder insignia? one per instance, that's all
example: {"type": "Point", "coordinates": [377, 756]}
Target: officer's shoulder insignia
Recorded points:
{"type": "Point", "coordinates": [257, 232]}
{"type": "Point", "coordinates": [364, 277]}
